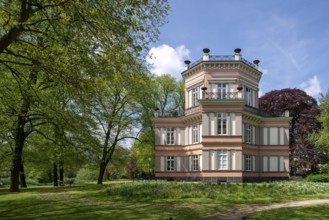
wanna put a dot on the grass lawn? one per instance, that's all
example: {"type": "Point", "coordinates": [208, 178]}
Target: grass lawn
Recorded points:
{"type": "Point", "coordinates": [148, 200]}
{"type": "Point", "coordinates": [306, 212]}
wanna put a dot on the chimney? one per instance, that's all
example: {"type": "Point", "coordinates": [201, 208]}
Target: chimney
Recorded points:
{"type": "Point", "coordinates": [256, 62]}
{"type": "Point", "coordinates": [237, 55]}
{"type": "Point", "coordinates": [187, 64]}
{"type": "Point", "coordinates": [205, 54]}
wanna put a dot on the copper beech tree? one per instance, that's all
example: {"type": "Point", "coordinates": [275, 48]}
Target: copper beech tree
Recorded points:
{"type": "Point", "coordinates": [304, 155]}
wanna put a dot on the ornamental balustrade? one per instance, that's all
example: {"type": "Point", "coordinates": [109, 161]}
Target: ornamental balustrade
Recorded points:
{"type": "Point", "coordinates": [221, 95]}
{"type": "Point", "coordinates": [224, 58]}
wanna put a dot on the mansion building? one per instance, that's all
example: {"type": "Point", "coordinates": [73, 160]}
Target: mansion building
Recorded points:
{"type": "Point", "coordinates": [222, 135]}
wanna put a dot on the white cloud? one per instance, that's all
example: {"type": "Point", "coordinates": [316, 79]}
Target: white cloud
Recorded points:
{"type": "Point", "coordinates": [167, 60]}
{"type": "Point", "coordinates": [311, 87]}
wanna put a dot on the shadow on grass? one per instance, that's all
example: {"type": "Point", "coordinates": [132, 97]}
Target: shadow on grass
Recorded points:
{"type": "Point", "coordinates": [32, 208]}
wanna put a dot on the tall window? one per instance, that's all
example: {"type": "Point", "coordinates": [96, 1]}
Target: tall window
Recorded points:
{"type": "Point", "coordinates": [249, 96]}
{"type": "Point", "coordinates": [195, 134]}
{"type": "Point", "coordinates": [248, 134]}
{"type": "Point", "coordinates": [222, 123]}
{"type": "Point", "coordinates": [222, 93]}
{"type": "Point", "coordinates": [170, 136]}
{"type": "Point", "coordinates": [248, 166]}
{"type": "Point", "coordinates": [223, 160]}
{"type": "Point", "coordinates": [195, 162]}
{"type": "Point", "coordinates": [170, 163]}
{"type": "Point", "coordinates": [195, 96]}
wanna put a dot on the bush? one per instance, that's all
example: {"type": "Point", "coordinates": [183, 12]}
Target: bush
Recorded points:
{"type": "Point", "coordinates": [324, 168]}
{"type": "Point", "coordinates": [324, 178]}
{"type": "Point", "coordinates": [86, 174]}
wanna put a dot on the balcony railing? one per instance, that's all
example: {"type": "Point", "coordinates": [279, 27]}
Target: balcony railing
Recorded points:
{"type": "Point", "coordinates": [221, 95]}
{"type": "Point", "coordinates": [224, 58]}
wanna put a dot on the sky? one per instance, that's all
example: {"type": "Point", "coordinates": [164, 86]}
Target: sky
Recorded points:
{"type": "Point", "coordinates": [289, 37]}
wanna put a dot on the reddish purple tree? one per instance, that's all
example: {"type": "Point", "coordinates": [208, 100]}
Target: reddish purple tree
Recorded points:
{"type": "Point", "coordinates": [304, 110]}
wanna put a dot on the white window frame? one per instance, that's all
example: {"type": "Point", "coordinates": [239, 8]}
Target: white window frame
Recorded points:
{"type": "Point", "coordinates": [195, 163]}
{"type": "Point", "coordinates": [170, 163]}
{"type": "Point", "coordinates": [195, 134]}
{"type": "Point", "coordinates": [248, 134]}
{"type": "Point", "coordinates": [195, 96]}
{"type": "Point", "coordinates": [170, 136]}
{"type": "Point", "coordinates": [248, 163]}
{"type": "Point", "coordinates": [222, 128]}
{"type": "Point", "coordinates": [222, 158]}
{"type": "Point", "coordinates": [222, 91]}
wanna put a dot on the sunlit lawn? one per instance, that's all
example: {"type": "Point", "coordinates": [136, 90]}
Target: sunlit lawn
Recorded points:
{"type": "Point", "coordinates": [148, 200]}
{"type": "Point", "coordinates": [306, 212]}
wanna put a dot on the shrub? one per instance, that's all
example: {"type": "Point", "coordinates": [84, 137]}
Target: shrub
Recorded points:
{"type": "Point", "coordinates": [86, 174]}
{"type": "Point", "coordinates": [324, 168]}
{"type": "Point", "coordinates": [324, 178]}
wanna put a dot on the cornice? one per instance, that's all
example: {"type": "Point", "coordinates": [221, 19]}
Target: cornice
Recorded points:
{"type": "Point", "coordinates": [222, 65]}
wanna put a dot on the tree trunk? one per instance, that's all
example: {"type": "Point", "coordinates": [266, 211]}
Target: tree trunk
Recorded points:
{"type": "Point", "coordinates": [50, 175]}
{"type": "Point", "coordinates": [17, 156]}
{"type": "Point", "coordinates": [55, 174]}
{"type": "Point", "coordinates": [61, 172]}
{"type": "Point", "coordinates": [22, 176]}
{"type": "Point", "coordinates": [102, 169]}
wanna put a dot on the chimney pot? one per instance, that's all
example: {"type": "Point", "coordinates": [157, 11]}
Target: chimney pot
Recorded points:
{"type": "Point", "coordinates": [237, 50]}
{"type": "Point", "coordinates": [256, 62]}
{"type": "Point", "coordinates": [206, 50]}
{"type": "Point", "coordinates": [187, 62]}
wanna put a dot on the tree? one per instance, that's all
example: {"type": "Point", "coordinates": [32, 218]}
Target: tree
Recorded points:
{"type": "Point", "coordinates": [47, 44]}
{"type": "Point", "coordinates": [166, 97]}
{"type": "Point", "coordinates": [168, 94]}
{"type": "Point", "coordinates": [321, 138]}
{"type": "Point", "coordinates": [304, 110]}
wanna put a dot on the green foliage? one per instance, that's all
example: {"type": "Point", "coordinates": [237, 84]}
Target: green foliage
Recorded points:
{"type": "Point", "coordinates": [169, 94]}
{"type": "Point", "coordinates": [143, 151]}
{"type": "Point", "coordinates": [323, 177]}
{"type": "Point", "coordinates": [87, 174]}
{"type": "Point", "coordinates": [321, 138]}
{"type": "Point", "coordinates": [56, 59]}
{"type": "Point", "coordinates": [324, 168]}
{"type": "Point", "coordinates": [256, 193]}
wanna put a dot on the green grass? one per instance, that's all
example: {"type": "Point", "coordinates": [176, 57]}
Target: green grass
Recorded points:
{"type": "Point", "coordinates": [148, 200]}
{"type": "Point", "coordinates": [306, 212]}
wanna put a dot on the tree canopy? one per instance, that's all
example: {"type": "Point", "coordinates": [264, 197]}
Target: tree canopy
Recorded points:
{"type": "Point", "coordinates": [321, 138]}
{"type": "Point", "coordinates": [53, 54]}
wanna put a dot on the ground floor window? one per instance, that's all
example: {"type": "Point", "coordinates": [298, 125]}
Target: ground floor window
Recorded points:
{"type": "Point", "coordinates": [223, 160]}
{"type": "Point", "coordinates": [248, 163]}
{"type": "Point", "coordinates": [195, 162]}
{"type": "Point", "coordinates": [170, 163]}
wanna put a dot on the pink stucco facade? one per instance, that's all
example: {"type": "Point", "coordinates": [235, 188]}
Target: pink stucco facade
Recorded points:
{"type": "Point", "coordinates": [222, 135]}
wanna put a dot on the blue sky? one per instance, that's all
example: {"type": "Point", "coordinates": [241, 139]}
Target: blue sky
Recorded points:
{"type": "Point", "coordinates": [289, 37]}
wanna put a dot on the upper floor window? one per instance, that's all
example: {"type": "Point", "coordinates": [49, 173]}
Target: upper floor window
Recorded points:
{"type": "Point", "coordinates": [248, 134]}
{"type": "Point", "coordinates": [250, 96]}
{"type": "Point", "coordinates": [222, 123]}
{"type": "Point", "coordinates": [195, 134]}
{"type": "Point", "coordinates": [223, 160]}
{"type": "Point", "coordinates": [222, 92]}
{"type": "Point", "coordinates": [170, 162]}
{"type": "Point", "coordinates": [170, 136]}
{"type": "Point", "coordinates": [195, 96]}
{"type": "Point", "coordinates": [195, 162]}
